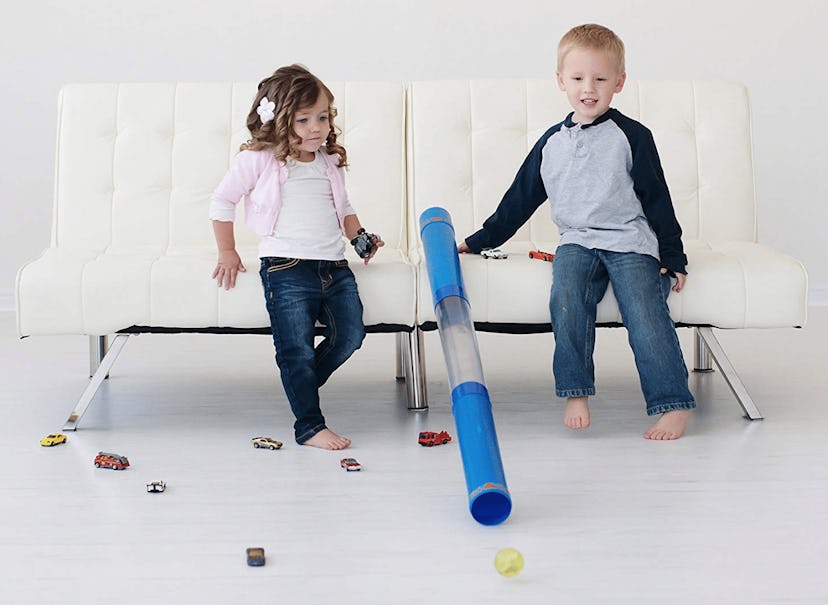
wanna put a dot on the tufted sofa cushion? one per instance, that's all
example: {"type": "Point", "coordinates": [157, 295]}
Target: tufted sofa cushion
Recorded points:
{"type": "Point", "coordinates": [132, 245]}
{"type": "Point", "coordinates": [467, 139]}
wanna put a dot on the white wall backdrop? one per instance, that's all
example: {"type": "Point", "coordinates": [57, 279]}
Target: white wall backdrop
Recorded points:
{"type": "Point", "coordinates": [777, 49]}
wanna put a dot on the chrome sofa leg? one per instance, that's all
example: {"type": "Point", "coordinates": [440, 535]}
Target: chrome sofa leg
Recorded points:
{"type": "Point", "coordinates": [97, 350]}
{"type": "Point", "coordinates": [416, 381]}
{"type": "Point", "coordinates": [401, 352]}
{"type": "Point", "coordinates": [729, 373]}
{"type": "Point", "coordinates": [95, 382]}
{"type": "Point", "coordinates": [701, 354]}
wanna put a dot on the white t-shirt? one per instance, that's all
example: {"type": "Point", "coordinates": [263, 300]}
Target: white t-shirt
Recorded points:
{"type": "Point", "coordinates": [307, 226]}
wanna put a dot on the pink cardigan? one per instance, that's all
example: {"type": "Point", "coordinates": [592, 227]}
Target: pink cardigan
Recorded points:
{"type": "Point", "coordinates": [258, 176]}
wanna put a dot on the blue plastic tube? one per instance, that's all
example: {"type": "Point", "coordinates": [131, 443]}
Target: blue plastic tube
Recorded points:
{"type": "Point", "coordinates": [489, 500]}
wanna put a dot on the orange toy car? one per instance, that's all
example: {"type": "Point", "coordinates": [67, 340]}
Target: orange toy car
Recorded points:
{"type": "Point", "coordinates": [541, 255]}
{"type": "Point", "coordinates": [430, 438]}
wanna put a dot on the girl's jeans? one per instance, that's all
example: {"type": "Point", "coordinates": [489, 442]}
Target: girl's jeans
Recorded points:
{"type": "Point", "coordinates": [581, 278]}
{"type": "Point", "coordinates": [300, 293]}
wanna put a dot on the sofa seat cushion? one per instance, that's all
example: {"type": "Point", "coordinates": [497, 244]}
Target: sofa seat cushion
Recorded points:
{"type": "Point", "coordinates": [729, 285]}
{"type": "Point", "coordinates": [71, 292]}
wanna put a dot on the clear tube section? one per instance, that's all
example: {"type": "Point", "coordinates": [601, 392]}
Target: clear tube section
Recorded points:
{"type": "Point", "coordinates": [459, 341]}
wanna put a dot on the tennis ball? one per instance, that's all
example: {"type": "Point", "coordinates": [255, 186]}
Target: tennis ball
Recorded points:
{"type": "Point", "coordinates": [508, 562]}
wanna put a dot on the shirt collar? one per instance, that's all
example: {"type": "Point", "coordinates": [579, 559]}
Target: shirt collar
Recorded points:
{"type": "Point", "coordinates": [602, 118]}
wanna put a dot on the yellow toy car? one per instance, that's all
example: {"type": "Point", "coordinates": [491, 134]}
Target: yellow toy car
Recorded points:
{"type": "Point", "coordinates": [53, 439]}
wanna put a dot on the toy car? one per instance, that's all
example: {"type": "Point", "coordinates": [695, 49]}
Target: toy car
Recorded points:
{"type": "Point", "coordinates": [114, 461]}
{"type": "Point", "coordinates": [53, 439]}
{"type": "Point", "coordinates": [255, 556]}
{"type": "Point", "coordinates": [267, 442]}
{"type": "Point", "coordinates": [541, 255]}
{"type": "Point", "coordinates": [350, 464]}
{"type": "Point", "coordinates": [430, 438]}
{"type": "Point", "coordinates": [364, 242]}
{"type": "Point", "coordinates": [156, 487]}
{"type": "Point", "coordinates": [493, 253]}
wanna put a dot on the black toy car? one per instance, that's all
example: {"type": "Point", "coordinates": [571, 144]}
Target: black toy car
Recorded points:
{"type": "Point", "coordinates": [255, 556]}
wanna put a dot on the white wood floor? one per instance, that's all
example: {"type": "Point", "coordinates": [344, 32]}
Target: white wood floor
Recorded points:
{"type": "Point", "coordinates": [735, 512]}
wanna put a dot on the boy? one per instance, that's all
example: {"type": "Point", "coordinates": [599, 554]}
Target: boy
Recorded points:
{"type": "Point", "coordinates": [601, 173]}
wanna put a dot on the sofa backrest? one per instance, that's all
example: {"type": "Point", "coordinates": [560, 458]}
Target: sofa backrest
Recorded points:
{"type": "Point", "coordinates": [137, 163]}
{"type": "Point", "coordinates": [468, 138]}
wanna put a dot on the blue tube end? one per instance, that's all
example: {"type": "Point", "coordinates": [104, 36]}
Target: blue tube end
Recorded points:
{"type": "Point", "coordinates": [491, 506]}
{"type": "Point", "coordinates": [435, 213]}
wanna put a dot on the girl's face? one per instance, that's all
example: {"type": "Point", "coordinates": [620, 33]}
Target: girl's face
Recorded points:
{"type": "Point", "coordinates": [311, 125]}
{"type": "Point", "coordinates": [590, 79]}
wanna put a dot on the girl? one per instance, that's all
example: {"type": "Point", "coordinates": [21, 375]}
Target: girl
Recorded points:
{"type": "Point", "coordinates": [291, 175]}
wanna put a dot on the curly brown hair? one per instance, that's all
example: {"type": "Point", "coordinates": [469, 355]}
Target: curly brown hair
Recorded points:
{"type": "Point", "coordinates": [291, 88]}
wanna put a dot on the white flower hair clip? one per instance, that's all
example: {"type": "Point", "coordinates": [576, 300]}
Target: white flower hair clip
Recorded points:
{"type": "Point", "coordinates": [265, 110]}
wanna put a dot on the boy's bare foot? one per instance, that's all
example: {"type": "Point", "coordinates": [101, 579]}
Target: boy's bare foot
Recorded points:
{"type": "Point", "coordinates": [326, 439]}
{"type": "Point", "coordinates": [671, 425]}
{"type": "Point", "coordinates": [576, 415]}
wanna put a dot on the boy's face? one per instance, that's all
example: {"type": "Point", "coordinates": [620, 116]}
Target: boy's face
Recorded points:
{"type": "Point", "coordinates": [590, 79]}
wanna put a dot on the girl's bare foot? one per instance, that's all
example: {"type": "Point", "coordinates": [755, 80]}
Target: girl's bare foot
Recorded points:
{"type": "Point", "coordinates": [576, 415]}
{"type": "Point", "coordinates": [671, 425]}
{"type": "Point", "coordinates": [326, 439]}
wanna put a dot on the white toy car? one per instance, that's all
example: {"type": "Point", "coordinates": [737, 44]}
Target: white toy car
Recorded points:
{"type": "Point", "coordinates": [493, 253]}
{"type": "Point", "coordinates": [350, 464]}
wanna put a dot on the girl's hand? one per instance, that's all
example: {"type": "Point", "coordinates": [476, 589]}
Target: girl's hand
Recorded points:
{"type": "Point", "coordinates": [680, 279]}
{"type": "Point", "coordinates": [228, 267]}
{"type": "Point", "coordinates": [377, 244]}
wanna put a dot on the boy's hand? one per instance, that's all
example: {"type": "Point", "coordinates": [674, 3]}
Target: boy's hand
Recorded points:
{"type": "Point", "coordinates": [228, 267]}
{"type": "Point", "coordinates": [377, 244]}
{"type": "Point", "coordinates": [463, 248]}
{"type": "Point", "coordinates": [680, 279]}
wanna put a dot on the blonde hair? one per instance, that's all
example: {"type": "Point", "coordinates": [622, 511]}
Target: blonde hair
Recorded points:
{"type": "Point", "coordinates": [291, 89]}
{"type": "Point", "coordinates": [593, 37]}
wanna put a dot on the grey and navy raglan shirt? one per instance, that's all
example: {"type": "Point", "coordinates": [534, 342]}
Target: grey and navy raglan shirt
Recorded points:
{"type": "Point", "coordinates": [606, 187]}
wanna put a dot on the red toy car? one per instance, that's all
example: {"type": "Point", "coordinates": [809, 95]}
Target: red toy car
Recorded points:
{"type": "Point", "coordinates": [114, 461]}
{"type": "Point", "coordinates": [430, 438]}
{"type": "Point", "coordinates": [541, 255]}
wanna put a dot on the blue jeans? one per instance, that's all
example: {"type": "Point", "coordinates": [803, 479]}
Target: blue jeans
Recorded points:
{"type": "Point", "coordinates": [581, 279]}
{"type": "Point", "coordinates": [298, 294]}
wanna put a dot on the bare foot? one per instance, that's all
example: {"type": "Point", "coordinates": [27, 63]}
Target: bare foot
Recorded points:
{"type": "Point", "coordinates": [671, 425]}
{"type": "Point", "coordinates": [576, 415]}
{"type": "Point", "coordinates": [326, 439]}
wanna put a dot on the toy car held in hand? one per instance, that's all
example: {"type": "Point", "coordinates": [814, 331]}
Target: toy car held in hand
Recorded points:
{"type": "Point", "coordinates": [266, 442]}
{"type": "Point", "coordinates": [541, 255]}
{"type": "Point", "coordinates": [430, 438]}
{"type": "Point", "coordinates": [493, 253]}
{"type": "Point", "coordinates": [364, 243]}
{"type": "Point", "coordinates": [350, 464]}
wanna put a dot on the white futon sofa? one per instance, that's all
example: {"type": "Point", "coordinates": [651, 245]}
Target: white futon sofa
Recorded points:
{"type": "Point", "coordinates": [132, 249]}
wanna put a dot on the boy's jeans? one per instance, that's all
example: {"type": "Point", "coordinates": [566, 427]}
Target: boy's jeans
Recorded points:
{"type": "Point", "coordinates": [299, 293]}
{"type": "Point", "coordinates": [581, 279]}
